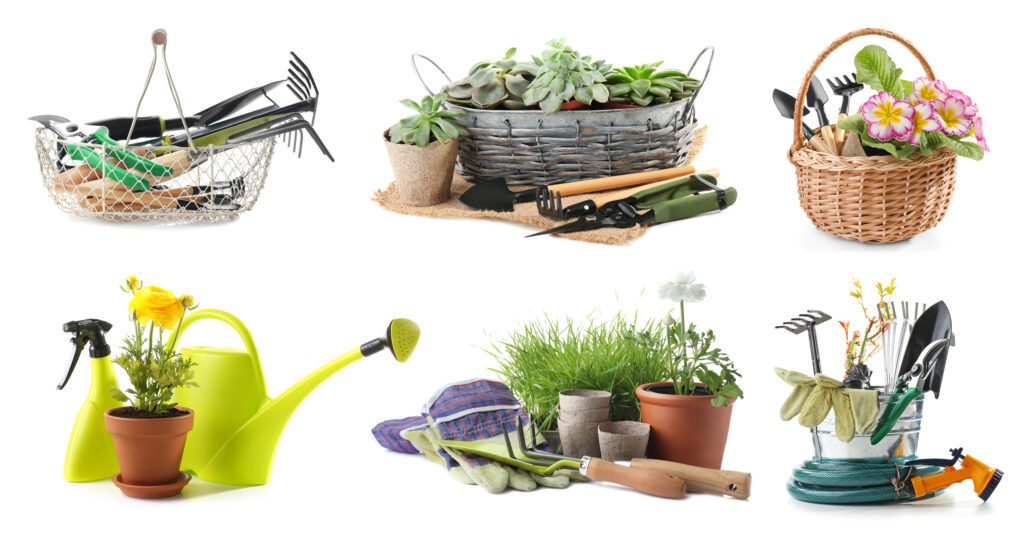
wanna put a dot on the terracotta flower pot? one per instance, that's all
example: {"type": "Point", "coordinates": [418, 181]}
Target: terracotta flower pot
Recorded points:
{"type": "Point", "coordinates": [613, 105]}
{"type": "Point", "coordinates": [149, 450]}
{"type": "Point", "coordinates": [575, 105]}
{"type": "Point", "coordinates": [423, 175]}
{"type": "Point", "coordinates": [685, 429]}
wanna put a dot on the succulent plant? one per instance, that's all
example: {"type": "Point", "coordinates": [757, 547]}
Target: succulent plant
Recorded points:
{"type": "Point", "coordinates": [563, 75]}
{"type": "Point", "coordinates": [493, 84]}
{"type": "Point", "coordinates": [645, 84]}
{"type": "Point", "coordinates": [430, 122]}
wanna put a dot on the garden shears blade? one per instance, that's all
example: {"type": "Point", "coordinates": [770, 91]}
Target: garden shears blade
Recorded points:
{"type": "Point", "coordinates": [903, 395]}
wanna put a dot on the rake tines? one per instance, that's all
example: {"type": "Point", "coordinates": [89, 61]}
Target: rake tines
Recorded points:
{"type": "Point", "coordinates": [550, 205]}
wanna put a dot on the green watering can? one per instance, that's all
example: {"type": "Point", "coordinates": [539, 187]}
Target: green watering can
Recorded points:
{"type": "Point", "coordinates": [237, 425]}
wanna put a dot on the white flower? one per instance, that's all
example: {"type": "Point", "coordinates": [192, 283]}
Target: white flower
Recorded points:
{"type": "Point", "coordinates": [668, 321]}
{"type": "Point", "coordinates": [682, 287]}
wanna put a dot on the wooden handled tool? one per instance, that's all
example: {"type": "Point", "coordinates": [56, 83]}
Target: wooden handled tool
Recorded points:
{"type": "Point", "coordinates": [647, 480]}
{"type": "Point", "coordinates": [829, 138]}
{"type": "Point", "coordinates": [699, 479]}
{"type": "Point", "coordinates": [626, 193]}
{"type": "Point", "coordinates": [180, 161]}
{"type": "Point", "coordinates": [840, 134]}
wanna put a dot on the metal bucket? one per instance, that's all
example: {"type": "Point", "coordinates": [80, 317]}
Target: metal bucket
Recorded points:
{"type": "Point", "coordinates": [901, 440]}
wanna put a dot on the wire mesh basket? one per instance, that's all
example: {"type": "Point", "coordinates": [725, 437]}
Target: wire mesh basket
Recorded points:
{"type": "Point", "coordinates": [210, 183]}
{"type": "Point", "coordinates": [529, 147]}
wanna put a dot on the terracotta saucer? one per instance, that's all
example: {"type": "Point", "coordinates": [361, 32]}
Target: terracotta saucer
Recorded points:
{"type": "Point", "coordinates": [153, 492]}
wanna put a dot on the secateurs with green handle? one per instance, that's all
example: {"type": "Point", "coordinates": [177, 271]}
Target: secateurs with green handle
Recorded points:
{"type": "Point", "coordinates": [903, 395]}
{"type": "Point", "coordinates": [86, 152]}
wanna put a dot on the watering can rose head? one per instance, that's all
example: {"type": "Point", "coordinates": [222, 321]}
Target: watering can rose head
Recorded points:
{"type": "Point", "coordinates": [158, 305]}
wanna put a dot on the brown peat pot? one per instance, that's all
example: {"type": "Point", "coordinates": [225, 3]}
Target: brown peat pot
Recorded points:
{"type": "Point", "coordinates": [149, 449]}
{"type": "Point", "coordinates": [685, 429]}
{"type": "Point", "coordinates": [423, 175]}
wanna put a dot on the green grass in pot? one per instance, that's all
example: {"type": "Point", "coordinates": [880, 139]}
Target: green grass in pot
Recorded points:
{"type": "Point", "coordinates": [545, 357]}
{"type": "Point", "coordinates": [645, 84]}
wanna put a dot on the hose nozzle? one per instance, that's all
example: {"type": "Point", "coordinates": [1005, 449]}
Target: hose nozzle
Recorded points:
{"type": "Point", "coordinates": [985, 478]}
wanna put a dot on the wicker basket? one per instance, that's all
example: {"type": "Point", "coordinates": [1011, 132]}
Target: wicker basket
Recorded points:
{"type": "Point", "coordinates": [871, 199]}
{"type": "Point", "coordinates": [528, 147]}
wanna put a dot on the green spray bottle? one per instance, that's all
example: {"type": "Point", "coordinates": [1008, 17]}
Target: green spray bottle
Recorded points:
{"type": "Point", "coordinates": [90, 454]}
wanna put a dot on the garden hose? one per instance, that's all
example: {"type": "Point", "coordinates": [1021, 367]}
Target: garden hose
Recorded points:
{"type": "Point", "coordinates": [842, 481]}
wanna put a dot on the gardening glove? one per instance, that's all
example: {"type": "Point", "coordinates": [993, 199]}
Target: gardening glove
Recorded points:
{"type": "Point", "coordinates": [844, 414]}
{"type": "Point", "coordinates": [865, 409]}
{"type": "Point", "coordinates": [802, 386]}
{"type": "Point", "coordinates": [819, 403]}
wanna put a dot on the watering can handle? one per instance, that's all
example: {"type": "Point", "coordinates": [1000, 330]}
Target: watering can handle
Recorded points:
{"type": "Point", "coordinates": [225, 317]}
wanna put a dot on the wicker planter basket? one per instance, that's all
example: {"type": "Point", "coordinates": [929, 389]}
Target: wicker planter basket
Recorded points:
{"type": "Point", "coordinates": [528, 147]}
{"type": "Point", "coordinates": [873, 199]}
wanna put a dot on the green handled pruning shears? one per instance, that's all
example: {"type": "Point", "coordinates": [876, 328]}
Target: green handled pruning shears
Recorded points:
{"type": "Point", "coordinates": [903, 395]}
{"type": "Point", "coordinates": [68, 130]}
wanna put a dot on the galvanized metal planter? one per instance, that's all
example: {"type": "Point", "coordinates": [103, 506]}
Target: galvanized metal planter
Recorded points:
{"type": "Point", "coordinates": [528, 147]}
{"type": "Point", "coordinates": [901, 440]}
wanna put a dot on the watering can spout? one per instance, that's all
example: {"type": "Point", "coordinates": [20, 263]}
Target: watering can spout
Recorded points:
{"type": "Point", "coordinates": [237, 426]}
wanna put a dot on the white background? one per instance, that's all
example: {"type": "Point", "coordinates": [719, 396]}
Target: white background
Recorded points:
{"type": "Point", "coordinates": [317, 268]}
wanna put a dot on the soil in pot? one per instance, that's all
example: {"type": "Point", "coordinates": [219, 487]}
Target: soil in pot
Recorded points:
{"type": "Point", "coordinates": [423, 175]}
{"type": "Point", "coordinates": [623, 440]}
{"type": "Point", "coordinates": [685, 429]}
{"type": "Point", "coordinates": [149, 450]}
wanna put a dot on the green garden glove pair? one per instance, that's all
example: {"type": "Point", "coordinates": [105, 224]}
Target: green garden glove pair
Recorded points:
{"type": "Point", "coordinates": [814, 397]}
{"type": "Point", "coordinates": [494, 477]}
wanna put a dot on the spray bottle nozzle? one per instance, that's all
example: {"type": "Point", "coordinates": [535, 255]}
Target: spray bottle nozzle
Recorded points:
{"type": "Point", "coordinates": [90, 331]}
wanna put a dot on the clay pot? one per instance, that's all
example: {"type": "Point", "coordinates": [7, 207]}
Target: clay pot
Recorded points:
{"type": "Point", "coordinates": [578, 400]}
{"type": "Point", "coordinates": [623, 440]}
{"type": "Point", "coordinates": [685, 429]}
{"type": "Point", "coordinates": [149, 450]}
{"type": "Point", "coordinates": [423, 175]}
{"type": "Point", "coordinates": [575, 105]}
{"type": "Point", "coordinates": [613, 105]}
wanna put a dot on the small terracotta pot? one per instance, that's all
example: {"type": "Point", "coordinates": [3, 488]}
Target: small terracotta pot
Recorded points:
{"type": "Point", "coordinates": [149, 450]}
{"type": "Point", "coordinates": [578, 400]}
{"type": "Point", "coordinates": [575, 105]}
{"type": "Point", "coordinates": [623, 440]}
{"type": "Point", "coordinates": [685, 429]}
{"type": "Point", "coordinates": [423, 175]}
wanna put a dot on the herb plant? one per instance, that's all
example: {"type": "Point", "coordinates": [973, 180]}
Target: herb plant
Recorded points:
{"type": "Point", "coordinates": [545, 357]}
{"type": "Point", "coordinates": [860, 346]}
{"type": "Point", "coordinates": [689, 355]}
{"type": "Point", "coordinates": [562, 75]}
{"type": "Point", "coordinates": [428, 124]}
{"type": "Point", "coordinates": [906, 117]}
{"type": "Point", "coordinates": [154, 370]}
{"type": "Point", "coordinates": [645, 84]}
{"type": "Point", "coordinates": [493, 84]}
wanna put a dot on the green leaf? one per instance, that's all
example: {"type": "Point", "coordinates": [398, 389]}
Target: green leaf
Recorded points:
{"type": "Point", "coordinates": [660, 91]}
{"type": "Point", "coordinates": [719, 401]}
{"type": "Point", "coordinates": [600, 93]}
{"type": "Point", "coordinates": [584, 94]}
{"type": "Point", "coordinates": [551, 104]}
{"type": "Point", "coordinates": [876, 69]}
{"type": "Point", "coordinates": [422, 136]}
{"type": "Point", "coordinates": [641, 86]}
{"type": "Point", "coordinates": [411, 104]}
{"type": "Point", "coordinates": [962, 148]}
{"type": "Point", "coordinates": [483, 76]}
{"type": "Point", "coordinates": [869, 141]}
{"type": "Point", "coordinates": [617, 90]}
{"type": "Point", "coordinates": [853, 123]}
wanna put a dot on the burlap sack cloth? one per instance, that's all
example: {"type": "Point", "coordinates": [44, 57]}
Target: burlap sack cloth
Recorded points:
{"type": "Point", "coordinates": [525, 212]}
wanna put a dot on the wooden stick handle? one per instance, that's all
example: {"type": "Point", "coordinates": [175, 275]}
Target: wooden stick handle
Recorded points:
{"type": "Point", "coordinates": [830, 140]}
{"type": "Point", "coordinates": [840, 134]}
{"type": "Point", "coordinates": [619, 181]}
{"type": "Point", "coordinates": [699, 479]}
{"type": "Point", "coordinates": [626, 193]}
{"type": "Point", "coordinates": [648, 481]}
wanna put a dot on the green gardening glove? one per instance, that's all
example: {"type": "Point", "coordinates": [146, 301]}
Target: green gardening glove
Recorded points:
{"type": "Point", "coordinates": [802, 386]}
{"type": "Point", "coordinates": [865, 409]}
{"type": "Point", "coordinates": [843, 409]}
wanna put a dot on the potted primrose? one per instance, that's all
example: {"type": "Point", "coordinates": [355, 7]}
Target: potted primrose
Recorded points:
{"type": "Point", "coordinates": [690, 410]}
{"type": "Point", "coordinates": [423, 148]}
{"type": "Point", "coordinates": [149, 433]}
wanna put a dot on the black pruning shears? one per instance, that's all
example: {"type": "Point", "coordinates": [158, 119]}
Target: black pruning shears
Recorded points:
{"type": "Point", "coordinates": [673, 200]}
{"type": "Point", "coordinates": [903, 395]}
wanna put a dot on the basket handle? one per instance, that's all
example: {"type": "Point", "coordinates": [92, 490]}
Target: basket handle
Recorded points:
{"type": "Point", "coordinates": [801, 98]}
{"type": "Point", "coordinates": [159, 40]}
{"type": "Point", "coordinates": [711, 57]}
{"type": "Point", "coordinates": [416, 69]}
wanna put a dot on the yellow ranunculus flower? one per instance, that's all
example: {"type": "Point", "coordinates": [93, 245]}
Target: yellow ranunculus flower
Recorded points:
{"type": "Point", "coordinates": [158, 305]}
{"type": "Point", "coordinates": [131, 284]}
{"type": "Point", "coordinates": [188, 302]}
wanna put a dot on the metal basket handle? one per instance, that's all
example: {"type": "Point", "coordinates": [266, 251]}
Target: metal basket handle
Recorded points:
{"type": "Point", "coordinates": [159, 40]}
{"type": "Point", "coordinates": [711, 57]}
{"type": "Point", "coordinates": [416, 69]}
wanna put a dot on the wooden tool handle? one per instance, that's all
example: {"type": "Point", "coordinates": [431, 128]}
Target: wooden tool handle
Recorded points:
{"type": "Point", "coordinates": [626, 193]}
{"type": "Point", "coordinates": [648, 481]}
{"type": "Point", "coordinates": [840, 134]}
{"type": "Point", "coordinates": [699, 479]}
{"type": "Point", "coordinates": [819, 145]}
{"type": "Point", "coordinates": [619, 181]}
{"type": "Point", "coordinates": [830, 140]}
